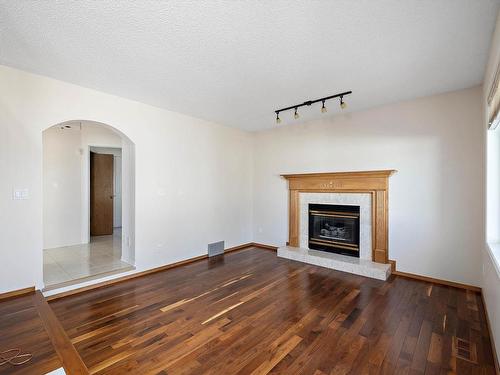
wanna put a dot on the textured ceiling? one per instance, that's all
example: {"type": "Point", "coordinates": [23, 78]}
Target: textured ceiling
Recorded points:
{"type": "Point", "coordinates": [235, 62]}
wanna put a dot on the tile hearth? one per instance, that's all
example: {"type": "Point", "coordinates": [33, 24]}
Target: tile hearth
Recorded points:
{"type": "Point", "coordinates": [362, 267]}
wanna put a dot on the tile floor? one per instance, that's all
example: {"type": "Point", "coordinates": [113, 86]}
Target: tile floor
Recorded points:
{"type": "Point", "coordinates": [102, 255]}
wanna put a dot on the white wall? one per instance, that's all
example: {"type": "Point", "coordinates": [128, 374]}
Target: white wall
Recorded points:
{"type": "Point", "coordinates": [187, 170]}
{"type": "Point", "coordinates": [436, 204]}
{"type": "Point", "coordinates": [490, 266]}
{"type": "Point", "coordinates": [128, 202]}
{"type": "Point", "coordinates": [62, 187]}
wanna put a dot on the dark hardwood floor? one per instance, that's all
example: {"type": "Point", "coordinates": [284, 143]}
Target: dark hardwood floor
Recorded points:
{"type": "Point", "coordinates": [21, 327]}
{"type": "Point", "coordinates": [250, 312]}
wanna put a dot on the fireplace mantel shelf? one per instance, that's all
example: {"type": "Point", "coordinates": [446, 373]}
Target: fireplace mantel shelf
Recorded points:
{"type": "Point", "coordinates": [374, 182]}
{"type": "Point", "coordinates": [357, 174]}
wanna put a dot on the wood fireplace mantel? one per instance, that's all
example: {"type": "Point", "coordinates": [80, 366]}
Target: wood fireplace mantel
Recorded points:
{"type": "Point", "coordinates": [375, 183]}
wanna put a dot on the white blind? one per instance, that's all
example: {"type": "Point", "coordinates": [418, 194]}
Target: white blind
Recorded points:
{"type": "Point", "coordinates": [494, 101]}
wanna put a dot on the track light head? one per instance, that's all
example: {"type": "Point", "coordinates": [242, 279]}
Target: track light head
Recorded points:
{"type": "Point", "coordinates": [343, 104]}
{"type": "Point", "coordinates": [278, 120]}
{"type": "Point", "coordinates": [323, 108]}
{"type": "Point", "coordinates": [296, 115]}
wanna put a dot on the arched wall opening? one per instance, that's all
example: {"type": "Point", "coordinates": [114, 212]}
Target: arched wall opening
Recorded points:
{"type": "Point", "coordinates": [68, 148]}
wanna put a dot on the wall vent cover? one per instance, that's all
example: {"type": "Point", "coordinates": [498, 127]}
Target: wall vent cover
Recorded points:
{"type": "Point", "coordinates": [216, 248]}
{"type": "Point", "coordinates": [464, 349]}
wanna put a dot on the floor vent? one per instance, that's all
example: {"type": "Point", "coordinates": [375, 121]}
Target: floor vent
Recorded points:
{"type": "Point", "coordinates": [216, 248]}
{"type": "Point", "coordinates": [464, 349]}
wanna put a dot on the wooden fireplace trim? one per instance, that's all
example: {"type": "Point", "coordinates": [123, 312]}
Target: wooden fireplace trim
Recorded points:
{"type": "Point", "coordinates": [375, 183]}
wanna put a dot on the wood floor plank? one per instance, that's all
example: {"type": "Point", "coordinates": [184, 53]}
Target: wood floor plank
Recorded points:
{"type": "Point", "coordinates": [277, 352]}
{"type": "Point", "coordinates": [69, 357]}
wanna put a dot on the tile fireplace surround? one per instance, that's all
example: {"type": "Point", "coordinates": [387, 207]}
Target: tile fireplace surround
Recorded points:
{"type": "Point", "coordinates": [363, 200]}
{"type": "Point", "coordinates": [369, 191]}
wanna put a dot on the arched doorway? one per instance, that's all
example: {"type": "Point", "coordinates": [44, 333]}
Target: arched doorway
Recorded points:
{"type": "Point", "coordinates": [88, 202]}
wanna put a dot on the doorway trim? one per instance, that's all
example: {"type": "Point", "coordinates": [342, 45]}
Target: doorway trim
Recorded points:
{"type": "Point", "coordinates": [128, 198]}
{"type": "Point", "coordinates": [110, 152]}
{"type": "Point", "coordinates": [128, 187]}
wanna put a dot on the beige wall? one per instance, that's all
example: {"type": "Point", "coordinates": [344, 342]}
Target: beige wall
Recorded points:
{"type": "Point", "coordinates": [436, 197]}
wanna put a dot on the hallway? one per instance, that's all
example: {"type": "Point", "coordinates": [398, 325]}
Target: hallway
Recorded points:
{"type": "Point", "coordinates": [66, 265]}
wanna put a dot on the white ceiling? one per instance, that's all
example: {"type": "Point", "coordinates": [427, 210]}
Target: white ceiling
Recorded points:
{"type": "Point", "coordinates": [235, 62]}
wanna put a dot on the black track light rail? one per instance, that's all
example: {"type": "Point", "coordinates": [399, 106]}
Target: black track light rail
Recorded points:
{"type": "Point", "coordinates": [310, 102]}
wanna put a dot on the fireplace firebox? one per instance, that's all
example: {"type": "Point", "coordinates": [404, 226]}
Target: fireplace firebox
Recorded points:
{"type": "Point", "coordinates": [334, 228]}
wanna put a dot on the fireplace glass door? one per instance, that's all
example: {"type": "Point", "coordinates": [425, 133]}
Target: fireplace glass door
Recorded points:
{"type": "Point", "coordinates": [334, 228]}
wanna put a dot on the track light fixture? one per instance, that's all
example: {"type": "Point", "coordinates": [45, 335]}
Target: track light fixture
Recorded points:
{"type": "Point", "coordinates": [296, 115]}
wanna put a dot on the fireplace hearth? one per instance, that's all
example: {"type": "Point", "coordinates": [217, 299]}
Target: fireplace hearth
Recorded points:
{"type": "Point", "coordinates": [334, 228]}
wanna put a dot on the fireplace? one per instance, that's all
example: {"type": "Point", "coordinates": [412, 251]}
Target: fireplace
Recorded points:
{"type": "Point", "coordinates": [334, 228]}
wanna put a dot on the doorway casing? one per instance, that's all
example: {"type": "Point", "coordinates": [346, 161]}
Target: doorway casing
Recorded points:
{"type": "Point", "coordinates": [127, 179]}
{"type": "Point", "coordinates": [128, 194]}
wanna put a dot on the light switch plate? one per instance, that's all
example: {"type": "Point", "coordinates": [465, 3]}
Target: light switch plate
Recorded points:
{"type": "Point", "coordinates": [20, 194]}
